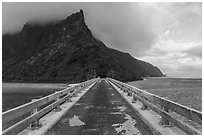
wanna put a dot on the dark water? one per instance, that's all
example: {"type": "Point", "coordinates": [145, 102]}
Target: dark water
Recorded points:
{"type": "Point", "coordinates": [16, 94]}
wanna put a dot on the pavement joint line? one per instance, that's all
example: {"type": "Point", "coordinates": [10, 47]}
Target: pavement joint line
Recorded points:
{"type": "Point", "coordinates": [49, 120]}
{"type": "Point", "coordinates": [147, 116]}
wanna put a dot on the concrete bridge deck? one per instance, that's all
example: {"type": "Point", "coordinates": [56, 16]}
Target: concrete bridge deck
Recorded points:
{"type": "Point", "coordinates": [100, 111]}
{"type": "Point", "coordinates": [103, 107]}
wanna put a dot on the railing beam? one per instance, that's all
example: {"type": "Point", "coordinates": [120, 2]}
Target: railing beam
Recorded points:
{"type": "Point", "coordinates": [155, 102]}
{"type": "Point", "coordinates": [32, 121]}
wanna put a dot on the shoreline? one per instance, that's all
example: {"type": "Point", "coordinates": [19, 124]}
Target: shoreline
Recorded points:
{"type": "Point", "coordinates": [171, 78]}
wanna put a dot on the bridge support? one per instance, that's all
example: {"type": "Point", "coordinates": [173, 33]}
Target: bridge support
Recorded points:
{"type": "Point", "coordinates": [124, 90]}
{"type": "Point", "coordinates": [164, 121]}
{"type": "Point", "coordinates": [35, 124]}
{"type": "Point", "coordinates": [84, 85]}
{"type": "Point", "coordinates": [57, 108]}
{"type": "Point", "coordinates": [79, 90]}
{"type": "Point", "coordinates": [134, 99]}
{"type": "Point", "coordinates": [129, 93]}
{"type": "Point", "coordinates": [121, 88]}
{"type": "Point", "coordinates": [144, 107]}
{"type": "Point", "coordinates": [69, 99]}
{"type": "Point", "coordinates": [75, 93]}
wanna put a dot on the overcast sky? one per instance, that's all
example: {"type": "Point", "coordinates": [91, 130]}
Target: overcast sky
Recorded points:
{"type": "Point", "coordinates": [168, 35]}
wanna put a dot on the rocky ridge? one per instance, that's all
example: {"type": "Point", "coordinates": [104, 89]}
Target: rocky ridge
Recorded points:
{"type": "Point", "coordinates": [66, 51]}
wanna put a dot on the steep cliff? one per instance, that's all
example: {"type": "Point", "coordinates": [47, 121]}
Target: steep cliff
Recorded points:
{"type": "Point", "coordinates": [66, 51]}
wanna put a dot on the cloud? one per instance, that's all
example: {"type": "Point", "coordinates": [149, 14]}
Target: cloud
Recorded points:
{"type": "Point", "coordinates": [119, 25]}
{"type": "Point", "coordinates": [172, 46]}
{"type": "Point", "coordinates": [177, 65]}
{"type": "Point", "coordinates": [123, 27]}
{"type": "Point", "coordinates": [184, 69]}
{"type": "Point", "coordinates": [178, 60]}
{"type": "Point", "coordinates": [167, 35]}
{"type": "Point", "coordinates": [167, 32]}
{"type": "Point", "coordinates": [195, 51]}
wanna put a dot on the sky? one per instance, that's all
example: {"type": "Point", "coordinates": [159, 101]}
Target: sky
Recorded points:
{"type": "Point", "coordinates": [167, 35]}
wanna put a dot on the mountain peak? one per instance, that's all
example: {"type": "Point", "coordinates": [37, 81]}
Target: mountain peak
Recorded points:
{"type": "Point", "coordinates": [81, 11]}
{"type": "Point", "coordinates": [76, 17]}
{"type": "Point", "coordinates": [66, 51]}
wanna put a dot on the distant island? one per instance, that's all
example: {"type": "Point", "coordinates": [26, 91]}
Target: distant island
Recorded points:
{"type": "Point", "coordinates": [66, 51]}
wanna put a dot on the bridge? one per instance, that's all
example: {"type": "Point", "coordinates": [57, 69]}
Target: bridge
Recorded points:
{"type": "Point", "coordinates": [101, 106]}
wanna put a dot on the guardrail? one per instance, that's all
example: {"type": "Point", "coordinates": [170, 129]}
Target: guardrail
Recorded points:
{"type": "Point", "coordinates": [168, 110]}
{"type": "Point", "coordinates": [32, 120]}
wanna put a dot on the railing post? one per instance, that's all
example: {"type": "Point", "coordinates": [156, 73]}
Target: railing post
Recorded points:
{"type": "Point", "coordinates": [57, 108]}
{"type": "Point", "coordinates": [68, 98]}
{"type": "Point", "coordinates": [35, 124]}
{"type": "Point", "coordinates": [129, 93]}
{"type": "Point", "coordinates": [80, 89]}
{"type": "Point", "coordinates": [134, 99]}
{"type": "Point", "coordinates": [144, 106]}
{"type": "Point", "coordinates": [164, 121]}
{"type": "Point", "coordinates": [75, 92]}
{"type": "Point", "coordinates": [82, 86]}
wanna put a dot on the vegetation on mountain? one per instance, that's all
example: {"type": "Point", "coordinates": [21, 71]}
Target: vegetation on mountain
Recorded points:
{"type": "Point", "coordinates": [66, 51]}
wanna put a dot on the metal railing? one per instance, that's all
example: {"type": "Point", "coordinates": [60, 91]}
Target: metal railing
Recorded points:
{"type": "Point", "coordinates": [50, 103]}
{"type": "Point", "coordinates": [170, 112]}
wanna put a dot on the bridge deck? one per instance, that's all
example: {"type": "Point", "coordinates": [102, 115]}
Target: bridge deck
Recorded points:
{"type": "Point", "coordinates": [100, 111]}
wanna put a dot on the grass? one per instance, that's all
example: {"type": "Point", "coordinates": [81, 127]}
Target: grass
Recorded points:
{"type": "Point", "coordinates": [187, 92]}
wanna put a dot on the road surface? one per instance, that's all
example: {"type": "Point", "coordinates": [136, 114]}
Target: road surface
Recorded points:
{"type": "Point", "coordinates": [101, 111]}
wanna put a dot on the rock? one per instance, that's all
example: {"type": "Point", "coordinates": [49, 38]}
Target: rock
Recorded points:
{"type": "Point", "coordinates": [66, 51]}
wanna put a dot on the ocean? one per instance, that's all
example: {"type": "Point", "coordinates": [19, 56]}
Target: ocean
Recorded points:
{"type": "Point", "coordinates": [185, 91]}
{"type": "Point", "coordinates": [16, 94]}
